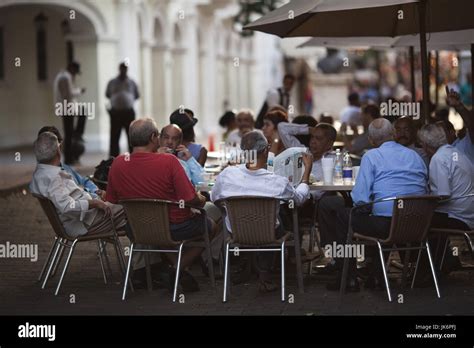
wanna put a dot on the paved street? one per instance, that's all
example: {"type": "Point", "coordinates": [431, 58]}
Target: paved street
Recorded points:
{"type": "Point", "coordinates": [22, 221]}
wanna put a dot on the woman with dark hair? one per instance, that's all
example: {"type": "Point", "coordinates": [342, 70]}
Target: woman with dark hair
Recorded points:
{"type": "Point", "coordinates": [185, 120]}
{"type": "Point", "coordinates": [270, 129]}
{"type": "Point", "coordinates": [228, 121]}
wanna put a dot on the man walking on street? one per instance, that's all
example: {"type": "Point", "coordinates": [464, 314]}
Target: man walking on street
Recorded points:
{"type": "Point", "coordinates": [122, 92]}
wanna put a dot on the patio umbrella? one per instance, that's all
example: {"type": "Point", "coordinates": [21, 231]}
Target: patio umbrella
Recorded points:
{"type": "Point", "coordinates": [390, 18]}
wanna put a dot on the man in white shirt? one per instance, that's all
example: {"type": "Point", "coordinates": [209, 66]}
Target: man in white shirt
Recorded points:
{"type": "Point", "coordinates": [321, 143]}
{"type": "Point", "coordinates": [122, 92]}
{"type": "Point", "coordinates": [277, 97]}
{"type": "Point", "coordinates": [245, 123]}
{"type": "Point", "coordinates": [255, 180]}
{"type": "Point", "coordinates": [66, 93]}
{"type": "Point", "coordinates": [78, 211]}
{"type": "Point", "coordinates": [350, 115]}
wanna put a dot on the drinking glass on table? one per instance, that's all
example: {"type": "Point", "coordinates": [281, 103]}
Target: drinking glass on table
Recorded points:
{"type": "Point", "coordinates": [328, 169]}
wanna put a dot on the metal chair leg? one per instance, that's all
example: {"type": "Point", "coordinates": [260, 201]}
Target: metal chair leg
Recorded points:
{"type": "Point", "coordinates": [65, 267]}
{"type": "Point", "coordinates": [106, 257]}
{"type": "Point", "coordinates": [446, 244]}
{"type": "Point", "coordinates": [99, 245]}
{"type": "Point", "coordinates": [416, 267]}
{"type": "Point", "coordinates": [51, 264]}
{"type": "Point", "coordinates": [48, 260]}
{"type": "Point", "coordinates": [127, 273]}
{"type": "Point", "coordinates": [433, 272]}
{"type": "Point", "coordinates": [178, 265]}
{"type": "Point", "coordinates": [58, 260]}
{"type": "Point", "coordinates": [226, 272]}
{"type": "Point", "coordinates": [283, 271]}
{"type": "Point", "coordinates": [382, 261]}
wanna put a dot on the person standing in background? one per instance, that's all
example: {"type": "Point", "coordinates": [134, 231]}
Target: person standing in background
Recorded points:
{"type": "Point", "coordinates": [122, 92]}
{"type": "Point", "coordinates": [66, 93]}
{"type": "Point", "coordinates": [276, 97]}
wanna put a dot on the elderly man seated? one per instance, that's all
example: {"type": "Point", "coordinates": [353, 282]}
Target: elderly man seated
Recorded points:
{"type": "Point", "coordinates": [388, 170]}
{"type": "Point", "coordinates": [171, 141]}
{"type": "Point", "coordinates": [255, 180]}
{"type": "Point", "coordinates": [80, 180]}
{"type": "Point", "coordinates": [245, 120]}
{"type": "Point", "coordinates": [451, 175]}
{"type": "Point", "coordinates": [151, 175]}
{"type": "Point", "coordinates": [79, 212]}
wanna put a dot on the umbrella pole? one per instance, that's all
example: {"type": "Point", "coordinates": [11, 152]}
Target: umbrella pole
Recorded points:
{"type": "Point", "coordinates": [412, 73]}
{"type": "Point", "coordinates": [425, 106]}
{"type": "Point", "coordinates": [437, 79]}
{"type": "Point", "coordinates": [472, 75]}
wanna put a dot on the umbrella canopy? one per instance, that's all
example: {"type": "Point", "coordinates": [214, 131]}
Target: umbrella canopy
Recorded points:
{"type": "Point", "coordinates": [450, 41]}
{"type": "Point", "coordinates": [342, 18]}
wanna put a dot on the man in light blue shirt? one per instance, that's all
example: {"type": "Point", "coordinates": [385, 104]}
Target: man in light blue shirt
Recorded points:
{"type": "Point", "coordinates": [171, 139]}
{"type": "Point", "coordinates": [388, 170]}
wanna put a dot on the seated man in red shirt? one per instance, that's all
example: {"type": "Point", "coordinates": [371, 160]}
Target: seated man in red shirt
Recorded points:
{"type": "Point", "coordinates": [148, 174]}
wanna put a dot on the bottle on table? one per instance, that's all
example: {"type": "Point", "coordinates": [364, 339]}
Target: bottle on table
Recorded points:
{"type": "Point", "coordinates": [337, 179]}
{"type": "Point", "coordinates": [347, 169]}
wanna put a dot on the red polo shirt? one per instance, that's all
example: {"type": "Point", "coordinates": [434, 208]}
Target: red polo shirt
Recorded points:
{"type": "Point", "coordinates": [154, 176]}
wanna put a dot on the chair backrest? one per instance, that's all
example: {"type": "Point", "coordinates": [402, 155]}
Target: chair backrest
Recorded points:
{"type": "Point", "coordinates": [53, 216]}
{"type": "Point", "coordinates": [252, 219]}
{"type": "Point", "coordinates": [411, 219]}
{"type": "Point", "coordinates": [149, 221]}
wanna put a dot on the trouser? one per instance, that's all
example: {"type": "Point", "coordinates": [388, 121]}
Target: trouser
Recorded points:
{"type": "Point", "coordinates": [265, 258]}
{"type": "Point", "coordinates": [102, 224]}
{"type": "Point", "coordinates": [334, 226]}
{"type": "Point", "coordinates": [71, 133]}
{"type": "Point", "coordinates": [119, 119]}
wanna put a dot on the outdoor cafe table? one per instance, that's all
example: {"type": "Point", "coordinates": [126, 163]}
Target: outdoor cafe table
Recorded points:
{"type": "Point", "coordinates": [207, 187]}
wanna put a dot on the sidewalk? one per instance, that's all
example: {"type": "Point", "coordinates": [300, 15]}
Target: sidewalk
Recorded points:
{"type": "Point", "coordinates": [23, 222]}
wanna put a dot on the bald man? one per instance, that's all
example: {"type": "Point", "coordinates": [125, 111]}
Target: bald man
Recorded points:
{"type": "Point", "coordinates": [171, 141]}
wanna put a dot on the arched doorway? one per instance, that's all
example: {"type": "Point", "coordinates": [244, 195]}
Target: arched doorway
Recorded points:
{"type": "Point", "coordinates": [26, 100]}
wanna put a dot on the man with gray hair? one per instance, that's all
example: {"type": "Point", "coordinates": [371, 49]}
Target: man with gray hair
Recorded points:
{"type": "Point", "coordinates": [78, 211]}
{"type": "Point", "coordinates": [451, 176]}
{"type": "Point", "coordinates": [253, 179]}
{"type": "Point", "coordinates": [388, 170]}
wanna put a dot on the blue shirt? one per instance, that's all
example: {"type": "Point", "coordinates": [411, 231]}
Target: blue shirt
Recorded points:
{"type": "Point", "coordinates": [82, 181]}
{"type": "Point", "coordinates": [193, 170]}
{"type": "Point", "coordinates": [195, 150]}
{"type": "Point", "coordinates": [392, 170]}
{"type": "Point", "coordinates": [466, 145]}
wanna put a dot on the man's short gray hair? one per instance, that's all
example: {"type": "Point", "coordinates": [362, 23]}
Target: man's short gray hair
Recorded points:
{"type": "Point", "coordinates": [432, 136]}
{"type": "Point", "coordinates": [46, 147]}
{"type": "Point", "coordinates": [254, 141]}
{"type": "Point", "coordinates": [380, 131]}
{"type": "Point", "coordinates": [141, 130]}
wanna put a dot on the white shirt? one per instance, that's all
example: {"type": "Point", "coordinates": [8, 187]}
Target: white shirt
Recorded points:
{"type": "Point", "coordinates": [239, 181]}
{"type": "Point", "coordinates": [466, 146]}
{"type": "Point", "coordinates": [452, 174]}
{"type": "Point", "coordinates": [64, 89]}
{"type": "Point", "coordinates": [350, 115]}
{"type": "Point", "coordinates": [273, 98]}
{"type": "Point", "coordinates": [70, 200]}
{"type": "Point", "coordinates": [122, 93]}
{"type": "Point", "coordinates": [235, 137]}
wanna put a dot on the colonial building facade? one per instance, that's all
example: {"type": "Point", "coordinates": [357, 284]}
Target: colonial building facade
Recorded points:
{"type": "Point", "coordinates": [181, 53]}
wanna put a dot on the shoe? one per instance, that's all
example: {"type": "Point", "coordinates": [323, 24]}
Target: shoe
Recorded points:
{"type": "Point", "coordinates": [330, 269]}
{"type": "Point", "coordinates": [374, 283]}
{"type": "Point", "coordinates": [351, 286]}
{"type": "Point", "coordinates": [266, 286]}
{"type": "Point", "coordinates": [187, 282]}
